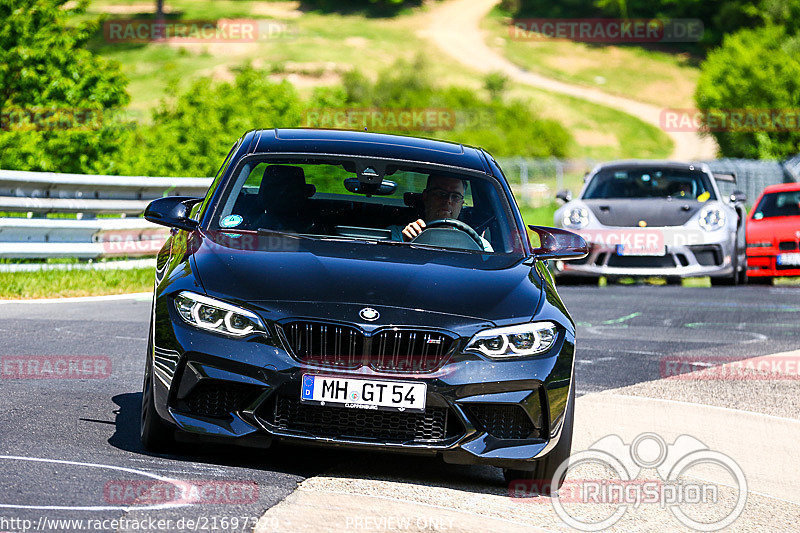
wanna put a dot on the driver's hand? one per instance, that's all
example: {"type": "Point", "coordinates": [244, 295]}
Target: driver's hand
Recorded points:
{"type": "Point", "coordinates": [413, 229]}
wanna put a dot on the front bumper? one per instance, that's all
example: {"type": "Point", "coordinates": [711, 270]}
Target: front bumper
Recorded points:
{"type": "Point", "coordinates": [765, 264]}
{"type": "Point", "coordinates": [501, 413]}
{"type": "Point", "coordinates": [706, 257]}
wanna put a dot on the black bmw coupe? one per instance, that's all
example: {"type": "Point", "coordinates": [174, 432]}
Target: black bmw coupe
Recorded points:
{"type": "Point", "coordinates": [363, 290]}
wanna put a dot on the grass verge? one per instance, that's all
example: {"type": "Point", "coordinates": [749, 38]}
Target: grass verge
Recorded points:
{"type": "Point", "coordinates": [66, 283]}
{"type": "Point", "coordinates": [320, 46]}
{"type": "Point", "coordinates": [647, 75]}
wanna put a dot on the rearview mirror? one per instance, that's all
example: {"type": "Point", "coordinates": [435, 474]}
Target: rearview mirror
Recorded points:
{"type": "Point", "coordinates": [173, 212]}
{"type": "Point", "coordinates": [559, 244]}
{"type": "Point", "coordinates": [356, 186]}
{"type": "Point", "coordinates": [564, 195]}
{"type": "Point", "coordinates": [738, 197]}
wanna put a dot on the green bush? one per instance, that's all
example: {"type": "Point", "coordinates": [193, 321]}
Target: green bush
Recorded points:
{"type": "Point", "coordinates": [754, 69]}
{"type": "Point", "coordinates": [503, 128]}
{"type": "Point", "coordinates": [192, 135]}
{"type": "Point", "coordinates": [55, 96]}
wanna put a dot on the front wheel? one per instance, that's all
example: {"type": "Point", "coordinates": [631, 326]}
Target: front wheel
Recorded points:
{"type": "Point", "coordinates": [733, 279]}
{"type": "Point", "coordinates": [156, 436]}
{"type": "Point", "coordinates": [541, 477]}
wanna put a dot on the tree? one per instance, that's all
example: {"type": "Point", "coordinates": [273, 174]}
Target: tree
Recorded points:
{"type": "Point", "coordinates": [55, 96]}
{"type": "Point", "coordinates": [190, 136]}
{"type": "Point", "coordinates": [755, 74]}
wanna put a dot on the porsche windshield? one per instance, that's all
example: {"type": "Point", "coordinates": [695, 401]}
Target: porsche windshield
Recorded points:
{"type": "Point", "coordinates": [649, 182]}
{"type": "Point", "coordinates": [371, 200]}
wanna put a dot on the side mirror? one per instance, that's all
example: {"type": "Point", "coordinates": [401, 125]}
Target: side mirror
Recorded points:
{"type": "Point", "coordinates": [172, 211]}
{"type": "Point", "coordinates": [564, 195]}
{"type": "Point", "coordinates": [738, 197]}
{"type": "Point", "coordinates": [559, 244]}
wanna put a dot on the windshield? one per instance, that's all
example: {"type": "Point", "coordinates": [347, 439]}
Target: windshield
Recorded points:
{"type": "Point", "coordinates": [650, 182]}
{"type": "Point", "coordinates": [330, 199]}
{"type": "Point", "coordinates": [778, 204]}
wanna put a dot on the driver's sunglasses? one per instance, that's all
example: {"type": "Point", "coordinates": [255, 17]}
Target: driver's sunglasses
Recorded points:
{"type": "Point", "coordinates": [444, 195]}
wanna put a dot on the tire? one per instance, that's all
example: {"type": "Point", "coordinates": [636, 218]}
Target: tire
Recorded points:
{"type": "Point", "coordinates": [545, 468]}
{"type": "Point", "coordinates": [155, 434]}
{"type": "Point", "coordinates": [673, 280]}
{"type": "Point", "coordinates": [734, 278]}
{"type": "Point", "coordinates": [743, 277]}
{"type": "Point", "coordinates": [576, 280]}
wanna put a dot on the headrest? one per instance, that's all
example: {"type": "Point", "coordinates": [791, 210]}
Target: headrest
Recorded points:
{"type": "Point", "coordinates": [412, 199]}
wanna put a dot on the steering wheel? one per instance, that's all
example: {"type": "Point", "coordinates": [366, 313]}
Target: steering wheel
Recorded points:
{"type": "Point", "coordinates": [455, 224]}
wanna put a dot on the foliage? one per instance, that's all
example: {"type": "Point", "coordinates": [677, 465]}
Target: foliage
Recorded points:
{"type": "Point", "coordinates": [502, 128]}
{"type": "Point", "coordinates": [192, 135]}
{"type": "Point", "coordinates": [55, 95]}
{"type": "Point", "coordinates": [370, 8]}
{"type": "Point", "coordinates": [496, 83]}
{"type": "Point", "coordinates": [754, 69]}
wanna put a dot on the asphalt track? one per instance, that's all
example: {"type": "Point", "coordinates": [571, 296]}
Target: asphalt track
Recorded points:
{"type": "Point", "coordinates": [64, 442]}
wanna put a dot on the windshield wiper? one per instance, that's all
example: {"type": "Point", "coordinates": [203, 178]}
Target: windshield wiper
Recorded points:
{"type": "Point", "coordinates": [267, 231]}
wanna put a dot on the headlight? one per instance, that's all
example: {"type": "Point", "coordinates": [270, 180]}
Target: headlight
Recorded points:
{"type": "Point", "coordinates": [712, 218]}
{"type": "Point", "coordinates": [575, 218]}
{"type": "Point", "coordinates": [217, 316]}
{"type": "Point", "coordinates": [759, 244]}
{"type": "Point", "coordinates": [515, 341]}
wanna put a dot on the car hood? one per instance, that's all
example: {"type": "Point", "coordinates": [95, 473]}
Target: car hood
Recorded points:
{"type": "Point", "coordinates": [773, 229]}
{"type": "Point", "coordinates": [653, 211]}
{"type": "Point", "coordinates": [293, 277]}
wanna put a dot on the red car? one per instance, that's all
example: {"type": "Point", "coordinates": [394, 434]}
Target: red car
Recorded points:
{"type": "Point", "coordinates": [773, 234]}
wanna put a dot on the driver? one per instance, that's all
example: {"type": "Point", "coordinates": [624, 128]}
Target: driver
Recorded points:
{"type": "Point", "coordinates": [443, 197]}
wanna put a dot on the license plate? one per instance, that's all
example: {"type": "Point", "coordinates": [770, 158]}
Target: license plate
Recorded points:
{"type": "Point", "coordinates": [627, 249]}
{"type": "Point", "coordinates": [364, 394]}
{"type": "Point", "coordinates": [789, 259]}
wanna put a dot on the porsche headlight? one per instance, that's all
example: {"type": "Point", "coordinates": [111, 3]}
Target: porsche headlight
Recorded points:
{"type": "Point", "coordinates": [711, 218]}
{"type": "Point", "coordinates": [217, 316]}
{"type": "Point", "coordinates": [521, 340]}
{"type": "Point", "coordinates": [575, 218]}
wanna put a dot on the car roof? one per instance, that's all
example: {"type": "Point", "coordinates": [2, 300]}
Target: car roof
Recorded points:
{"type": "Point", "coordinates": [644, 163]}
{"type": "Point", "coordinates": [360, 143]}
{"type": "Point", "coordinates": [782, 187]}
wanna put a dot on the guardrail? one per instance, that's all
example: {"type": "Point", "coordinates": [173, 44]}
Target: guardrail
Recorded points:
{"type": "Point", "coordinates": [30, 199]}
{"type": "Point", "coordinates": [99, 216]}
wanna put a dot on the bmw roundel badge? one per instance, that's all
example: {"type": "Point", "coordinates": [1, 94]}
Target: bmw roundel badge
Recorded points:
{"type": "Point", "coordinates": [369, 313]}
